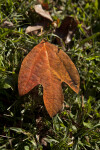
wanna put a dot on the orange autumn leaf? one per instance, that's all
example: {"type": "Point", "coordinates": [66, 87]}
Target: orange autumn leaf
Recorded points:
{"type": "Point", "coordinates": [48, 66]}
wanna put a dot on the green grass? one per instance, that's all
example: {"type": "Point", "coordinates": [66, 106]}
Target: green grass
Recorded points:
{"type": "Point", "coordinates": [24, 122]}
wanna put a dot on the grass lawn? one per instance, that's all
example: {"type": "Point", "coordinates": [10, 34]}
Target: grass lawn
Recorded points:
{"type": "Point", "coordinates": [24, 121]}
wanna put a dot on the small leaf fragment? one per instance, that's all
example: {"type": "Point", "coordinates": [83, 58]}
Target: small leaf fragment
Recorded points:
{"type": "Point", "coordinates": [33, 29]}
{"type": "Point", "coordinates": [67, 28]}
{"type": "Point", "coordinates": [38, 9]}
{"type": "Point", "coordinates": [7, 24]}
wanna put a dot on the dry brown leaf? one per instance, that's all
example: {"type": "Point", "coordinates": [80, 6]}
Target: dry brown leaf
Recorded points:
{"type": "Point", "coordinates": [49, 67]}
{"type": "Point", "coordinates": [67, 28]}
{"type": "Point", "coordinates": [7, 24]}
{"type": "Point", "coordinates": [38, 8]}
{"type": "Point", "coordinates": [32, 29]}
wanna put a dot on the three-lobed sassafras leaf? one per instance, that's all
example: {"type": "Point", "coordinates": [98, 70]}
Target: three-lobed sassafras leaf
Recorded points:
{"type": "Point", "coordinates": [49, 67]}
